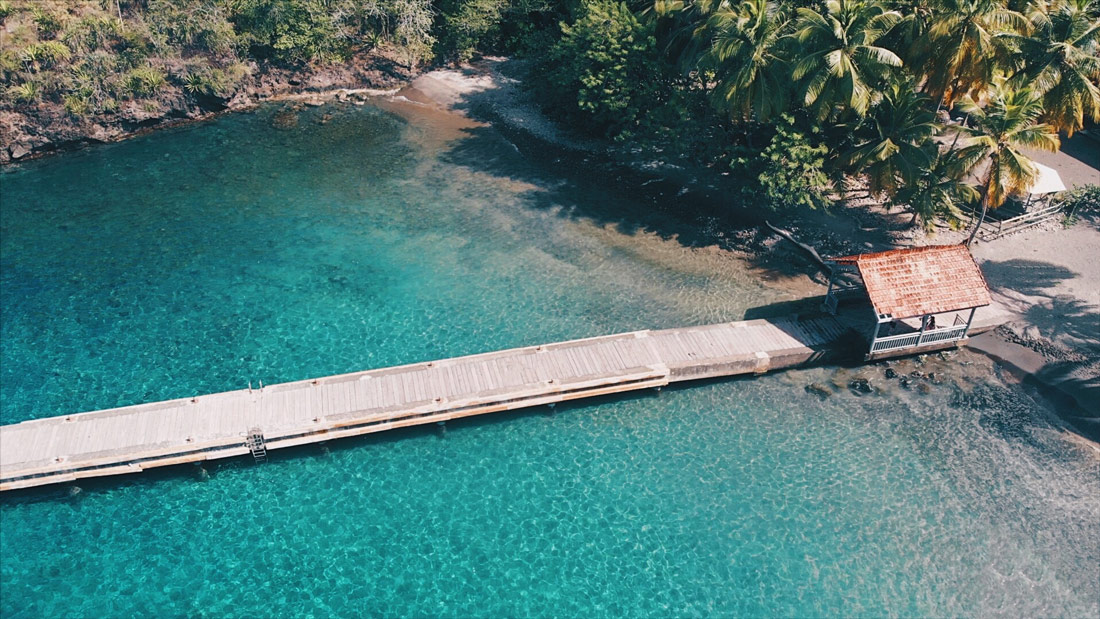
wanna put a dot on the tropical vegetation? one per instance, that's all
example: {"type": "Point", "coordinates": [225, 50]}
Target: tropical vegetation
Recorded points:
{"type": "Point", "coordinates": [931, 106]}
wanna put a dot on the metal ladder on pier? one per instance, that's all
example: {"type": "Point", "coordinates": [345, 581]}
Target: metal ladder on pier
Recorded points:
{"type": "Point", "coordinates": [255, 444]}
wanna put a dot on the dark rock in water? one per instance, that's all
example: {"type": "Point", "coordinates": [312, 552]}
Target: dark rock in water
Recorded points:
{"type": "Point", "coordinates": [905, 381]}
{"type": "Point", "coordinates": [923, 389]}
{"type": "Point", "coordinates": [284, 119]}
{"type": "Point", "coordinates": [916, 374]}
{"type": "Point", "coordinates": [860, 386]}
{"type": "Point", "coordinates": [819, 390]}
{"type": "Point", "coordinates": [890, 373]}
{"type": "Point", "coordinates": [936, 379]}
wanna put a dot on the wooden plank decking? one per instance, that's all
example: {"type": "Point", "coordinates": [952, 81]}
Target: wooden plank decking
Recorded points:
{"type": "Point", "coordinates": [133, 438]}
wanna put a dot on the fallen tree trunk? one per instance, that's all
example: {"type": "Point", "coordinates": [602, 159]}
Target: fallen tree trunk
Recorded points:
{"type": "Point", "coordinates": [806, 248]}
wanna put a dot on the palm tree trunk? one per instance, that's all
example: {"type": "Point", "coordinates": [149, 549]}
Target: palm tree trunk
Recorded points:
{"type": "Point", "coordinates": [981, 218]}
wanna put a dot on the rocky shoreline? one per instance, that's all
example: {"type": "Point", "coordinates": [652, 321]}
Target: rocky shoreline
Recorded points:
{"type": "Point", "coordinates": [29, 132]}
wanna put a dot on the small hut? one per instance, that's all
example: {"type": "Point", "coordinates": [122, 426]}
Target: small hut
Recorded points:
{"type": "Point", "coordinates": [919, 296]}
{"type": "Point", "coordinates": [1047, 183]}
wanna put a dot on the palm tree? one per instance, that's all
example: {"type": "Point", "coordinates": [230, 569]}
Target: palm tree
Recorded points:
{"type": "Point", "coordinates": [682, 26]}
{"type": "Point", "coordinates": [840, 65]}
{"type": "Point", "coordinates": [1060, 61]}
{"type": "Point", "coordinates": [910, 34]}
{"type": "Point", "coordinates": [1008, 123]}
{"type": "Point", "coordinates": [890, 146]}
{"type": "Point", "coordinates": [936, 186]}
{"type": "Point", "coordinates": [751, 76]}
{"type": "Point", "coordinates": [962, 48]}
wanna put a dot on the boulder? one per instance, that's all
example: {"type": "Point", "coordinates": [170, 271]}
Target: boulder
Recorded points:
{"type": "Point", "coordinates": [19, 150]}
{"type": "Point", "coordinates": [819, 390]}
{"type": "Point", "coordinates": [860, 386]}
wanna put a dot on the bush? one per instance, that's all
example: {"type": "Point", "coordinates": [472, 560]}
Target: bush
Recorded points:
{"type": "Point", "coordinates": [1081, 202]}
{"type": "Point", "coordinates": [789, 171]}
{"type": "Point", "coordinates": [77, 105]}
{"type": "Point", "coordinates": [91, 33]}
{"type": "Point", "coordinates": [45, 54]}
{"type": "Point", "coordinates": [190, 25]}
{"type": "Point", "coordinates": [291, 30]}
{"type": "Point", "coordinates": [604, 71]}
{"type": "Point", "coordinates": [469, 25]}
{"type": "Point", "coordinates": [145, 81]}
{"type": "Point", "coordinates": [47, 23]}
{"type": "Point", "coordinates": [27, 92]}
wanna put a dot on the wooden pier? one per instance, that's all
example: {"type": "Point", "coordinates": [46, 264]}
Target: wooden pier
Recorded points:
{"type": "Point", "coordinates": [256, 421]}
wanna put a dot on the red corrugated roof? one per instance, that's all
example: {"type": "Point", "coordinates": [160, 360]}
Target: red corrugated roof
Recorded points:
{"type": "Point", "coordinates": [923, 280]}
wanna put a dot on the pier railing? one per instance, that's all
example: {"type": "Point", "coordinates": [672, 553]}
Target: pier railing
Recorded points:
{"type": "Point", "coordinates": [910, 340]}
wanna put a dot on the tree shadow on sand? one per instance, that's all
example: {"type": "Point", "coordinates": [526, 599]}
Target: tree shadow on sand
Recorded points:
{"type": "Point", "coordinates": [1030, 277]}
{"type": "Point", "coordinates": [1027, 286]}
{"type": "Point", "coordinates": [695, 207]}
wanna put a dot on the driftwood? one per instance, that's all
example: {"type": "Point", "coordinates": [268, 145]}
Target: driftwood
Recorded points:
{"type": "Point", "coordinates": [806, 248]}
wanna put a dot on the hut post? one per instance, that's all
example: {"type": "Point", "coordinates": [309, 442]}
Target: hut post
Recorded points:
{"type": "Point", "coordinates": [830, 302]}
{"type": "Point", "coordinates": [969, 321]}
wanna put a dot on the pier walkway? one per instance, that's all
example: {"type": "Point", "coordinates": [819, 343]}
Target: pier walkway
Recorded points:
{"type": "Point", "coordinates": [133, 438]}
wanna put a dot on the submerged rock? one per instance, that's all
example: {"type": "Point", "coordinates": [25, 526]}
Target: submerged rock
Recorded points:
{"type": "Point", "coordinates": [860, 386]}
{"type": "Point", "coordinates": [284, 119]}
{"type": "Point", "coordinates": [890, 373]}
{"type": "Point", "coordinates": [819, 390]}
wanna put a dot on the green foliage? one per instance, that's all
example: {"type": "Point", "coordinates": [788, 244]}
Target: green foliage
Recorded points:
{"type": "Point", "coordinates": [468, 25]}
{"type": "Point", "coordinates": [291, 30]}
{"type": "Point", "coordinates": [890, 144]}
{"type": "Point", "coordinates": [840, 65]}
{"type": "Point", "coordinates": [27, 92]}
{"type": "Point", "coordinates": [752, 76]}
{"type": "Point", "coordinates": [77, 105]}
{"type": "Point", "coordinates": [790, 170]}
{"type": "Point", "coordinates": [91, 33]}
{"type": "Point", "coordinates": [412, 27]}
{"type": "Point", "coordinates": [204, 80]}
{"type": "Point", "coordinates": [47, 23]}
{"type": "Point", "coordinates": [1081, 202]}
{"type": "Point", "coordinates": [45, 54]}
{"type": "Point", "coordinates": [202, 25]}
{"type": "Point", "coordinates": [935, 187]}
{"type": "Point", "coordinates": [604, 73]}
{"type": "Point", "coordinates": [1060, 59]}
{"type": "Point", "coordinates": [145, 81]}
{"type": "Point", "coordinates": [6, 9]}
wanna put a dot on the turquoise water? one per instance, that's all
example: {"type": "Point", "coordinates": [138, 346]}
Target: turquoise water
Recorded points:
{"type": "Point", "coordinates": [201, 259]}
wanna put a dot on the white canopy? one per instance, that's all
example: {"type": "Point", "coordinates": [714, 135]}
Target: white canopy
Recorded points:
{"type": "Point", "coordinates": [1048, 181]}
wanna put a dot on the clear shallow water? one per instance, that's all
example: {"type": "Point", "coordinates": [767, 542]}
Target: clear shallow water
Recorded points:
{"type": "Point", "coordinates": [198, 260]}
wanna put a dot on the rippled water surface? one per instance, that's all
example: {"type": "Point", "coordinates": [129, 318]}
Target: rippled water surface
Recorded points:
{"type": "Point", "coordinates": [198, 260]}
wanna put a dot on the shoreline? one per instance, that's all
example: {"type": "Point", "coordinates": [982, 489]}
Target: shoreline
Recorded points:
{"type": "Point", "coordinates": [513, 112]}
{"type": "Point", "coordinates": [483, 92]}
{"type": "Point", "coordinates": [33, 132]}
